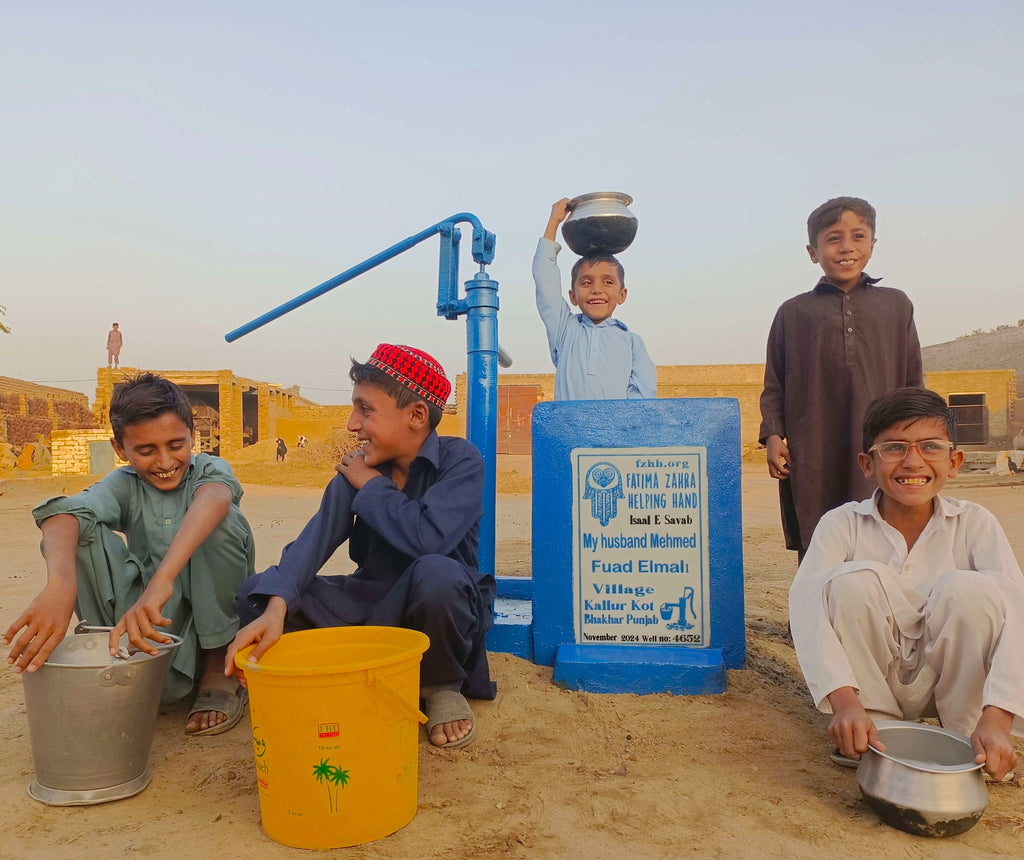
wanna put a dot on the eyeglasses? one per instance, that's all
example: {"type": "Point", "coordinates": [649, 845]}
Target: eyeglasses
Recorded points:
{"type": "Point", "coordinates": [929, 449]}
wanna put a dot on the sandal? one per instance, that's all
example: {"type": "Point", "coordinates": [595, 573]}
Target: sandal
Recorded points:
{"type": "Point", "coordinates": [224, 701]}
{"type": "Point", "coordinates": [446, 706]}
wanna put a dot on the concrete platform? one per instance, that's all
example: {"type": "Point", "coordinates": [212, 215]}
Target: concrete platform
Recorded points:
{"type": "Point", "coordinates": [512, 632]}
{"type": "Point", "coordinates": [633, 669]}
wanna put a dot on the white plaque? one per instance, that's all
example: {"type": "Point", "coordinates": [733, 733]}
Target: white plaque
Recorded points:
{"type": "Point", "coordinates": [640, 546]}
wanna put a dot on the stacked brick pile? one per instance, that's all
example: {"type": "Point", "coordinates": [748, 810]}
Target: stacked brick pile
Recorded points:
{"type": "Point", "coordinates": [28, 411]}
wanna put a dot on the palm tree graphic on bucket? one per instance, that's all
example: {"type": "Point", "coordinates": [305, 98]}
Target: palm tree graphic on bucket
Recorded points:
{"type": "Point", "coordinates": [333, 777]}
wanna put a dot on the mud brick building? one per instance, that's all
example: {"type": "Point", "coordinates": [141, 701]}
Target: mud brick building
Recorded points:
{"type": "Point", "coordinates": [230, 413]}
{"type": "Point", "coordinates": [233, 412]}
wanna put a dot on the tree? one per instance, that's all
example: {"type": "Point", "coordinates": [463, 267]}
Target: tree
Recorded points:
{"type": "Point", "coordinates": [330, 775]}
{"type": "Point", "coordinates": [338, 777]}
{"type": "Point", "coordinates": [3, 328]}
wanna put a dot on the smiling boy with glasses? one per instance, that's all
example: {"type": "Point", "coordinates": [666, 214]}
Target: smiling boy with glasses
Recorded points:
{"type": "Point", "coordinates": [909, 604]}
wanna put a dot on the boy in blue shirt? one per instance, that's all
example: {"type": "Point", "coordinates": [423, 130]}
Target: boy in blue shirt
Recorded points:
{"type": "Point", "coordinates": [595, 357]}
{"type": "Point", "coordinates": [409, 504]}
{"type": "Point", "coordinates": [188, 551]}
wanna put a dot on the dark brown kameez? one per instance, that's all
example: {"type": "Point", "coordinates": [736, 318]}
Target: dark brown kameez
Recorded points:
{"type": "Point", "coordinates": [830, 354]}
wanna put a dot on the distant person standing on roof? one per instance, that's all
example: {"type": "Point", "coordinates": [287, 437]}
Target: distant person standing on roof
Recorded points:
{"type": "Point", "coordinates": [114, 342]}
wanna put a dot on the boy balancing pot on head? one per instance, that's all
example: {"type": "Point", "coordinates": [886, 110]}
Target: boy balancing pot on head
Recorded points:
{"type": "Point", "coordinates": [409, 503]}
{"type": "Point", "coordinates": [595, 357]}
{"type": "Point", "coordinates": [830, 352]}
{"type": "Point", "coordinates": [909, 604]}
{"type": "Point", "coordinates": [189, 549]}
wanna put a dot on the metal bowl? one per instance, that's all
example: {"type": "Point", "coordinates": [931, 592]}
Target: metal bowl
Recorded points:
{"type": "Point", "coordinates": [599, 223]}
{"type": "Point", "coordinates": [926, 781]}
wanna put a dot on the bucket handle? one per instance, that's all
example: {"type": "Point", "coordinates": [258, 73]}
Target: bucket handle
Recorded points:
{"type": "Point", "coordinates": [123, 672]}
{"type": "Point", "coordinates": [124, 652]}
{"type": "Point", "coordinates": [377, 680]}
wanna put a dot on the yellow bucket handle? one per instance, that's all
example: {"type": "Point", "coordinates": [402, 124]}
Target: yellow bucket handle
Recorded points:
{"type": "Point", "coordinates": [379, 681]}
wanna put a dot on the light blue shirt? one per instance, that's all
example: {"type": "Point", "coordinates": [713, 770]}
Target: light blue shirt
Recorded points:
{"type": "Point", "coordinates": [592, 362]}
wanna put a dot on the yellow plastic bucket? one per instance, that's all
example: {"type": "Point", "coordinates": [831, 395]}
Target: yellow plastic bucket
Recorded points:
{"type": "Point", "coordinates": [335, 731]}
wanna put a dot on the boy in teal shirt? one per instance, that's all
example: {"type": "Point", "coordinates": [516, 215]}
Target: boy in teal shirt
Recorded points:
{"type": "Point", "coordinates": [186, 550]}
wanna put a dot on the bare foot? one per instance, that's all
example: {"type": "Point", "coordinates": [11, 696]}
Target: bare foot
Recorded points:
{"type": "Point", "coordinates": [446, 733]}
{"type": "Point", "coordinates": [449, 717]}
{"type": "Point", "coordinates": [212, 679]}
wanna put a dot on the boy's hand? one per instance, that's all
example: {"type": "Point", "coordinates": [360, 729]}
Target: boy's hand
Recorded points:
{"type": "Point", "coordinates": [43, 624]}
{"type": "Point", "coordinates": [991, 742]}
{"type": "Point", "coordinates": [264, 631]}
{"type": "Point", "coordinates": [138, 622]}
{"type": "Point", "coordinates": [559, 212]}
{"type": "Point", "coordinates": [778, 457]}
{"type": "Point", "coordinates": [210, 504]}
{"type": "Point", "coordinates": [353, 467]}
{"type": "Point", "coordinates": [851, 728]}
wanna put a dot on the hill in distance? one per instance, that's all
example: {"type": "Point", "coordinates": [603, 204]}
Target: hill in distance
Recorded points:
{"type": "Point", "coordinates": [999, 349]}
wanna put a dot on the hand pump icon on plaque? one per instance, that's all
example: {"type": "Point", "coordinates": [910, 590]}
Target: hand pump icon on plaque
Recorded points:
{"type": "Point", "coordinates": [669, 609]}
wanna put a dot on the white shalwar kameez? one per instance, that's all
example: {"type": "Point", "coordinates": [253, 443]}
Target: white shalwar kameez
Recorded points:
{"type": "Point", "coordinates": [938, 630]}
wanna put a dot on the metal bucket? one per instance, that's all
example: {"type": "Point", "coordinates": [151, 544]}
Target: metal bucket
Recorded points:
{"type": "Point", "coordinates": [91, 718]}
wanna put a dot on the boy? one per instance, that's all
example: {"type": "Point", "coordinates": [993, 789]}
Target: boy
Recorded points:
{"type": "Point", "coordinates": [830, 352]}
{"type": "Point", "coordinates": [188, 551]}
{"type": "Point", "coordinates": [409, 503]}
{"type": "Point", "coordinates": [595, 357]}
{"type": "Point", "coordinates": [909, 604]}
{"type": "Point", "coordinates": [115, 340]}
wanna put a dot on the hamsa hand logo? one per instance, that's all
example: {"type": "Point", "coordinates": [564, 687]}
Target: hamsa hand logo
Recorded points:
{"type": "Point", "coordinates": [603, 488]}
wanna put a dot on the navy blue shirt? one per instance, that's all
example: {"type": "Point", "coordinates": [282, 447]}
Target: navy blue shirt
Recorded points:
{"type": "Point", "coordinates": [437, 512]}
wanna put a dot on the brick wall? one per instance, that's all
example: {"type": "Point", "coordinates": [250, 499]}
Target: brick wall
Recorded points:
{"type": "Point", "coordinates": [316, 423]}
{"type": "Point", "coordinates": [10, 385]}
{"type": "Point", "coordinates": [231, 430]}
{"type": "Point", "coordinates": [998, 386]}
{"type": "Point", "coordinates": [69, 450]}
{"type": "Point", "coordinates": [745, 381]}
{"type": "Point", "coordinates": [741, 381]}
{"type": "Point", "coordinates": [28, 410]}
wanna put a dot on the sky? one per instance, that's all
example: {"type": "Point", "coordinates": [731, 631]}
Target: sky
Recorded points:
{"type": "Point", "coordinates": [183, 168]}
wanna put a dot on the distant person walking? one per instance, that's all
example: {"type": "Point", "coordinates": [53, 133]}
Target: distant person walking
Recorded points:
{"type": "Point", "coordinates": [114, 342]}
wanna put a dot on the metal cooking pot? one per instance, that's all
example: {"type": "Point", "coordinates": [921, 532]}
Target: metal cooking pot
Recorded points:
{"type": "Point", "coordinates": [599, 223]}
{"type": "Point", "coordinates": [926, 782]}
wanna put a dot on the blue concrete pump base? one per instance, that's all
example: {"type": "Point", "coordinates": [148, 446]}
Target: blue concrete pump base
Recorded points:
{"type": "Point", "coordinates": [633, 669]}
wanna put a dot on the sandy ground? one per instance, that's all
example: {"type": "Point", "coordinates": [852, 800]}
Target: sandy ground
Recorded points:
{"type": "Point", "coordinates": [554, 773]}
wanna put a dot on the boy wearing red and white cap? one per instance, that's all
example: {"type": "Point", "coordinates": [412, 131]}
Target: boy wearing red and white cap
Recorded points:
{"type": "Point", "coordinates": [409, 503]}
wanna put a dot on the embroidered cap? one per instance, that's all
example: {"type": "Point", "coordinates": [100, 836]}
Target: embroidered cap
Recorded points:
{"type": "Point", "coordinates": [414, 369]}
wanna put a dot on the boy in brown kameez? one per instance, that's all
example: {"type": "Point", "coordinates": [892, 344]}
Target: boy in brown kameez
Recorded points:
{"type": "Point", "coordinates": [831, 352]}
